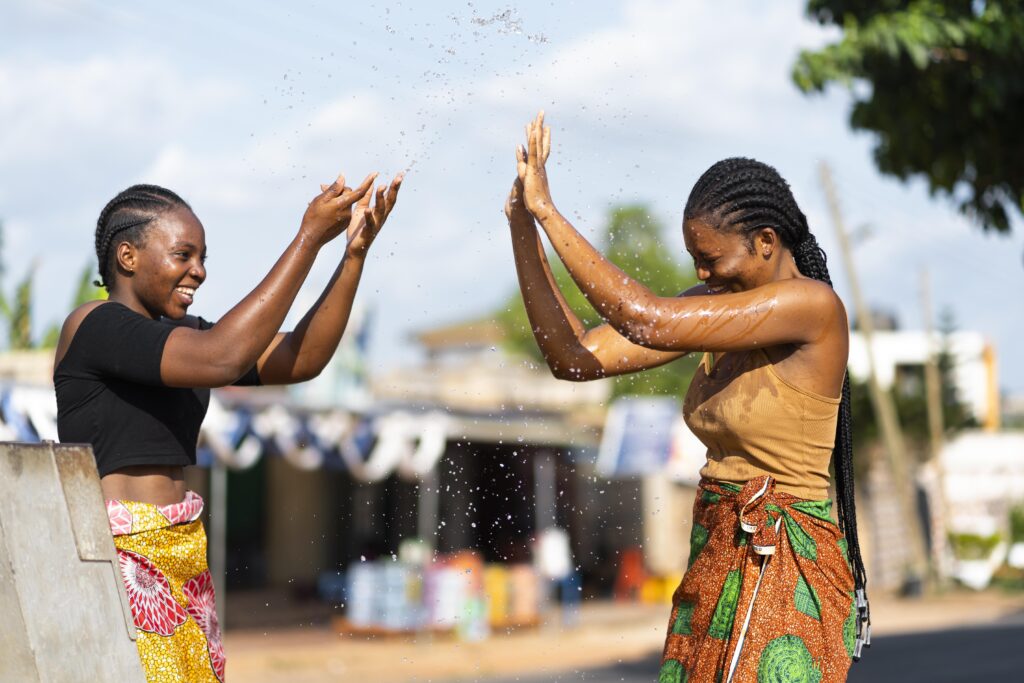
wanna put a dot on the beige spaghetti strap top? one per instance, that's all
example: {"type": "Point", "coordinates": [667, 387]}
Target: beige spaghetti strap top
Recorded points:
{"type": "Point", "coordinates": [754, 422]}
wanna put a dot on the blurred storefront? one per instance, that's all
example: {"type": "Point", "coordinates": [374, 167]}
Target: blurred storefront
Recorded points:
{"type": "Point", "coordinates": [474, 478]}
{"type": "Point", "coordinates": [470, 460]}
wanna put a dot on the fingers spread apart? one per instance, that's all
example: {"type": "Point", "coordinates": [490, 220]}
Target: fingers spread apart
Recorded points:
{"type": "Point", "coordinates": [335, 188]}
{"type": "Point", "coordinates": [350, 197]}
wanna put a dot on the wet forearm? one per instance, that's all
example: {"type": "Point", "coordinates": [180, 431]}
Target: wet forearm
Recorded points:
{"type": "Point", "coordinates": [315, 339]}
{"type": "Point", "coordinates": [556, 328]}
{"type": "Point", "coordinates": [627, 305]}
{"type": "Point", "coordinates": [241, 335]}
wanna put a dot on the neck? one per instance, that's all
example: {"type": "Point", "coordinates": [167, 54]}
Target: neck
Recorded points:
{"type": "Point", "coordinates": [127, 298]}
{"type": "Point", "coordinates": [785, 267]}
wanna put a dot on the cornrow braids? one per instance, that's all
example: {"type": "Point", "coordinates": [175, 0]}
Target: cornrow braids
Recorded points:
{"type": "Point", "coordinates": [746, 195]}
{"type": "Point", "coordinates": [127, 215]}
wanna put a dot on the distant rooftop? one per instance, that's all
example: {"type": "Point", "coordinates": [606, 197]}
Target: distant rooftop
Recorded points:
{"type": "Point", "coordinates": [466, 334]}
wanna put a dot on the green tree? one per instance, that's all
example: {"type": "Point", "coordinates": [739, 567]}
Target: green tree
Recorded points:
{"type": "Point", "coordinates": [5, 308]}
{"type": "Point", "coordinates": [87, 290]}
{"type": "Point", "coordinates": [17, 311]}
{"type": "Point", "coordinates": [631, 240]}
{"type": "Point", "coordinates": [945, 88]}
{"type": "Point", "coordinates": [19, 331]}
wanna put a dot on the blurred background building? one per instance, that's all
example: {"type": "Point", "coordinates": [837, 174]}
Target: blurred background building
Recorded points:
{"type": "Point", "coordinates": [476, 463]}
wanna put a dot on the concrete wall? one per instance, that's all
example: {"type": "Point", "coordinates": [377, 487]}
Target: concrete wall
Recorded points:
{"type": "Point", "coordinates": [65, 615]}
{"type": "Point", "coordinates": [668, 521]}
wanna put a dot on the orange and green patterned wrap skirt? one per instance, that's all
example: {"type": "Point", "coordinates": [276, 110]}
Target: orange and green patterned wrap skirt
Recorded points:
{"type": "Point", "coordinates": [768, 596]}
{"type": "Point", "coordinates": [162, 553]}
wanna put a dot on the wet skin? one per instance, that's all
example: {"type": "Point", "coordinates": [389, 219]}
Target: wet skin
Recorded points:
{"type": "Point", "coordinates": [159, 278]}
{"type": "Point", "coordinates": [753, 297]}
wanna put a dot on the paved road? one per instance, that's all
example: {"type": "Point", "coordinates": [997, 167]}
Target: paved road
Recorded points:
{"type": "Point", "coordinates": [991, 653]}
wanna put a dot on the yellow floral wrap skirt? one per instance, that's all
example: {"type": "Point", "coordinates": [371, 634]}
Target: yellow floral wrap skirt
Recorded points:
{"type": "Point", "coordinates": [162, 554]}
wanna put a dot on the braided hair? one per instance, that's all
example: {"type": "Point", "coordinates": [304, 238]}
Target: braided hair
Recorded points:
{"type": "Point", "coordinates": [127, 217]}
{"type": "Point", "coordinates": [746, 196]}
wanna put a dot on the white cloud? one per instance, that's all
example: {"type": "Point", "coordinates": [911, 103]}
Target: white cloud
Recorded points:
{"type": "Point", "coordinates": [675, 63]}
{"type": "Point", "coordinates": [641, 105]}
{"type": "Point", "coordinates": [49, 108]}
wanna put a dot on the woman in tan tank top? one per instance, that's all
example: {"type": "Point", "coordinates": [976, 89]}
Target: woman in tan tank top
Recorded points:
{"type": "Point", "coordinates": [775, 587]}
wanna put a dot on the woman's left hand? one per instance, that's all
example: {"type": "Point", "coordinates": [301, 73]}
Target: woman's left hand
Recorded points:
{"type": "Point", "coordinates": [367, 221]}
{"type": "Point", "coordinates": [532, 172]}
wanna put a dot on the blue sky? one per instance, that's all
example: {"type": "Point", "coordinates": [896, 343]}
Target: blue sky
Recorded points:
{"type": "Point", "coordinates": [244, 107]}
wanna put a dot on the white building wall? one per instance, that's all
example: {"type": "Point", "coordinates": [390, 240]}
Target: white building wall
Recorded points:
{"type": "Point", "coordinates": [895, 348]}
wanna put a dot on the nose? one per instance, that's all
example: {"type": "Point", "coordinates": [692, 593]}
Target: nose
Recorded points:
{"type": "Point", "coordinates": [198, 271]}
{"type": "Point", "coordinates": [703, 273]}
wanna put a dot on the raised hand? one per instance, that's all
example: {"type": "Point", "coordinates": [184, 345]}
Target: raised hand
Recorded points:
{"type": "Point", "coordinates": [331, 210]}
{"type": "Point", "coordinates": [367, 221]}
{"type": "Point", "coordinates": [530, 161]}
{"type": "Point", "coordinates": [514, 205]}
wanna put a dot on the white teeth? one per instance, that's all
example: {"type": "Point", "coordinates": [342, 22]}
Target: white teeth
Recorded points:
{"type": "Point", "coordinates": [185, 290]}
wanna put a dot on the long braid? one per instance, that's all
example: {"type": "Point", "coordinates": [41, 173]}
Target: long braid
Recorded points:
{"type": "Point", "coordinates": [748, 195]}
{"type": "Point", "coordinates": [127, 215]}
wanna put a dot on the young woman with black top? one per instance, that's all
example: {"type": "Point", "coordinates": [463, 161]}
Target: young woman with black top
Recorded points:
{"type": "Point", "coordinates": [133, 373]}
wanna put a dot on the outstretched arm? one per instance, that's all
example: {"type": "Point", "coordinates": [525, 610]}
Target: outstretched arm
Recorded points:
{"type": "Point", "coordinates": [220, 355]}
{"type": "Point", "coordinates": [304, 352]}
{"type": "Point", "coordinates": [786, 311]}
{"type": "Point", "coordinates": [572, 352]}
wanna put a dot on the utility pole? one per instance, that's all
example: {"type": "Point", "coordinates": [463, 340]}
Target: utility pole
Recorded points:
{"type": "Point", "coordinates": [881, 401]}
{"type": "Point", "coordinates": [936, 429]}
{"type": "Point", "coordinates": [932, 381]}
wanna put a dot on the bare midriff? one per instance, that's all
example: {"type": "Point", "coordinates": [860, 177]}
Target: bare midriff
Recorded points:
{"type": "Point", "coordinates": [154, 484]}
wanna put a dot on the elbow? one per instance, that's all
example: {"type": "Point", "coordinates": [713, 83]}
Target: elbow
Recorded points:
{"type": "Point", "coordinates": [303, 371]}
{"type": "Point", "coordinates": [234, 371]}
{"type": "Point", "coordinates": [576, 370]}
{"type": "Point", "coordinates": [308, 373]}
{"type": "Point", "coordinates": [636, 320]}
{"type": "Point", "coordinates": [568, 374]}
{"type": "Point", "coordinates": [638, 331]}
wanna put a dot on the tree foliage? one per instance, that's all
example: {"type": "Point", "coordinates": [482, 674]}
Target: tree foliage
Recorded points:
{"type": "Point", "coordinates": [945, 88]}
{"type": "Point", "coordinates": [16, 311]}
{"type": "Point", "coordinates": [86, 290]}
{"type": "Point", "coordinates": [631, 240]}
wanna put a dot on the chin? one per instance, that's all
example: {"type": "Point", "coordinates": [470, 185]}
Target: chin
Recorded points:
{"type": "Point", "coordinates": [176, 312]}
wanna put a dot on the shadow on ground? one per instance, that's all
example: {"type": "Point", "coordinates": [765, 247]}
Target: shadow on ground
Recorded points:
{"type": "Point", "coordinates": [990, 653]}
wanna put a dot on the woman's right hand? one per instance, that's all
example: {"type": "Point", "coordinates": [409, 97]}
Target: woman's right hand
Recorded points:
{"type": "Point", "coordinates": [530, 165]}
{"type": "Point", "coordinates": [515, 207]}
{"type": "Point", "coordinates": [330, 211]}
{"type": "Point", "coordinates": [367, 221]}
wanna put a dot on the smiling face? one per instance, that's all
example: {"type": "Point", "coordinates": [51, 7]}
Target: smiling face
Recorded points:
{"type": "Point", "coordinates": [162, 274]}
{"type": "Point", "coordinates": [730, 261]}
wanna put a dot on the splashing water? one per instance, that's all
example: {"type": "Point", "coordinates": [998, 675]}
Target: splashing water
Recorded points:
{"type": "Point", "coordinates": [509, 23]}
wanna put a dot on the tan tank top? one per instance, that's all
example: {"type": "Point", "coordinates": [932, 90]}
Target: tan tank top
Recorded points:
{"type": "Point", "coordinates": [754, 422]}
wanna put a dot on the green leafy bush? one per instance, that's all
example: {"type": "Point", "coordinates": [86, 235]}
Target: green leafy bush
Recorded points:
{"type": "Point", "coordinates": [973, 546]}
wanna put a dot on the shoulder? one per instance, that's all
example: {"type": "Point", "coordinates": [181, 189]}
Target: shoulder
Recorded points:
{"type": "Point", "coordinates": [73, 322]}
{"type": "Point", "coordinates": [77, 316]}
{"type": "Point", "coordinates": [816, 304]}
{"type": "Point", "coordinates": [808, 291]}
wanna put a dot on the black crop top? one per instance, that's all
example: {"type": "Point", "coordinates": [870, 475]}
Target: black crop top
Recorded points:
{"type": "Point", "coordinates": [110, 395]}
